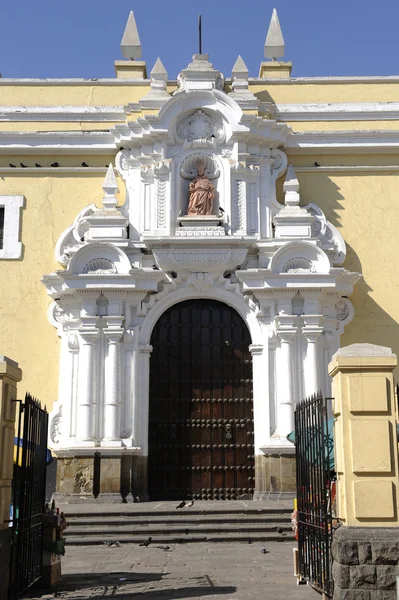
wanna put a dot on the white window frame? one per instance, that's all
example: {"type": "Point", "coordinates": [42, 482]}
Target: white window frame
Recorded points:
{"type": "Point", "coordinates": [12, 247]}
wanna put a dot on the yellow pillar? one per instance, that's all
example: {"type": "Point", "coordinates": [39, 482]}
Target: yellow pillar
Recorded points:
{"type": "Point", "coordinates": [365, 440]}
{"type": "Point", "coordinates": [10, 375]}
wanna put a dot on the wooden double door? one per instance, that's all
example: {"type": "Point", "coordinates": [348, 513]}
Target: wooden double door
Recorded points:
{"type": "Point", "coordinates": [201, 410]}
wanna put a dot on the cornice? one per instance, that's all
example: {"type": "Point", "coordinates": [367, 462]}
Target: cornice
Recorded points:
{"type": "Point", "coordinates": [65, 142]}
{"type": "Point", "coordinates": [337, 111]}
{"type": "Point", "coordinates": [67, 113]}
{"type": "Point", "coordinates": [346, 142]}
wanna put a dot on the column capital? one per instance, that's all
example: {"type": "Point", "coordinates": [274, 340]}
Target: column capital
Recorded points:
{"type": "Point", "coordinates": [312, 333]}
{"type": "Point", "coordinates": [256, 349]}
{"type": "Point", "coordinates": [313, 322]}
{"type": "Point", "coordinates": [114, 335]}
{"type": "Point", "coordinates": [89, 336]}
{"type": "Point", "coordinates": [286, 335]}
{"type": "Point", "coordinates": [145, 348]}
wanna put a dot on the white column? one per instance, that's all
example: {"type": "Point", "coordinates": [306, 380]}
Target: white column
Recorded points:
{"type": "Point", "coordinates": [143, 390]}
{"type": "Point", "coordinates": [260, 396]}
{"type": "Point", "coordinates": [285, 407]}
{"type": "Point", "coordinates": [86, 401]}
{"type": "Point", "coordinates": [112, 401]}
{"type": "Point", "coordinates": [311, 370]}
{"type": "Point", "coordinates": [267, 183]}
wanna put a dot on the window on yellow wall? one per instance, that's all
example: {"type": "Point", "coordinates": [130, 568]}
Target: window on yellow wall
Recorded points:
{"type": "Point", "coordinates": [10, 220]}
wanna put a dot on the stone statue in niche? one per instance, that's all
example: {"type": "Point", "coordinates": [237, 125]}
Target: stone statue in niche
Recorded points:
{"type": "Point", "coordinates": [201, 194]}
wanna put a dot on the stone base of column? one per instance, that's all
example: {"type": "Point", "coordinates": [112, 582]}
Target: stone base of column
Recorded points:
{"type": "Point", "coordinates": [5, 547]}
{"type": "Point", "coordinates": [275, 477]}
{"type": "Point", "coordinates": [75, 476]}
{"type": "Point", "coordinates": [101, 478]}
{"type": "Point", "coordinates": [366, 563]}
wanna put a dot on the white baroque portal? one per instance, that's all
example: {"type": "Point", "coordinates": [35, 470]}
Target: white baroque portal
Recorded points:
{"type": "Point", "coordinates": [278, 266]}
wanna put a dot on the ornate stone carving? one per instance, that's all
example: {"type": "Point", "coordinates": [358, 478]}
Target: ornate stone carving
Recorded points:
{"type": "Point", "coordinates": [199, 280]}
{"type": "Point", "coordinates": [239, 204]}
{"type": "Point", "coordinates": [161, 168]}
{"type": "Point", "coordinates": [199, 259]}
{"type": "Point", "coordinates": [188, 169]}
{"type": "Point", "coordinates": [299, 265]}
{"type": "Point", "coordinates": [55, 429]}
{"type": "Point", "coordinates": [280, 162]}
{"type": "Point", "coordinates": [73, 341]}
{"type": "Point", "coordinates": [161, 204]}
{"type": "Point", "coordinates": [99, 266]}
{"type": "Point", "coordinates": [330, 238]}
{"type": "Point", "coordinates": [342, 309]}
{"type": "Point", "coordinates": [147, 172]}
{"type": "Point", "coordinates": [200, 126]}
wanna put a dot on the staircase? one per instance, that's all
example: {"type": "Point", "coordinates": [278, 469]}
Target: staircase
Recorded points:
{"type": "Point", "coordinates": [235, 521]}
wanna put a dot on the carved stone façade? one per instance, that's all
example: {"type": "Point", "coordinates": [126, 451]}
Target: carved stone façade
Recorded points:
{"type": "Point", "coordinates": [279, 267]}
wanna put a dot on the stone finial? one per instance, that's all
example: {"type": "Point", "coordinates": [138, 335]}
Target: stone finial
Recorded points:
{"type": "Point", "coordinates": [158, 95]}
{"type": "Point", "coordinates": [240, 69]}
{"type": "Point", "coordinates": [159, 74]}
{"type": "Point", "coordinates": [291, 188]}
{"type": "Point", "coordinates": [130, 43]}
{"type": "Point", "coordinates": [274, 44]}
{"type": "Point", "coordinates": [110, 188]}
{"type": "Point", "coordinates": [240, 92]}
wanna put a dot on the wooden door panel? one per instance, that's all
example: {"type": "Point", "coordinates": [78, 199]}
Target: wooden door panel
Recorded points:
{"type": "Point", "coordinates": [200, 426]}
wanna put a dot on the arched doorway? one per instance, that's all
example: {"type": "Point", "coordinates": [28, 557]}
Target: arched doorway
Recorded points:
{"type": "Point", "coordinates": [201, 411]}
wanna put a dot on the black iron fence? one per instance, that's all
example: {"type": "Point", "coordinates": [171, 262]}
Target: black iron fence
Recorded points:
{"type": "Point", "coordinates": [28, 496]}
{"type": "Point", "coordinates": [314, 464]}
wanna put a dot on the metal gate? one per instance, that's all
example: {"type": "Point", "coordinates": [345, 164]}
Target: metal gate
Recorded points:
{"type": "Point", "coordinates": [28, 496]}
{"type": "Point", "coordinates": [201, 410]}
{"type": "Point", "coordinates": [314, 464]}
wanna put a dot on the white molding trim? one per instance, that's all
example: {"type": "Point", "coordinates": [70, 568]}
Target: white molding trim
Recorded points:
{"type": "Point", "coordinates": [63, 142]}
{"type": "Point", "coordinates": [67, 113]}
{"type": "Point", "coordinates": [52, 170]}
{"type": "Point", "coordinates": [103, 142]}
{"type": "Point", "coordinates": [343, 142]}
{"type": "Point", "coordinates": [345, 168]}
{"type": "Point", "coordinates": [12, 247]}
{"type": "Point", "coordinates": [337, 111]}
{"type": "Point", "coordinates": [85, 82]}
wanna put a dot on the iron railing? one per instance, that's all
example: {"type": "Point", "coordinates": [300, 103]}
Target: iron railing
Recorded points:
{"type": "Point", "coordinates": [28, 496]}
{"type": "Point", "coordinates": [314, 463]}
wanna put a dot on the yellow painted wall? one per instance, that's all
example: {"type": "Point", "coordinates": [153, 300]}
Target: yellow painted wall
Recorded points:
{"type": "Point", "coordinates": [26, 336]}
{"type": "Point", "coordinates": [365, 209]}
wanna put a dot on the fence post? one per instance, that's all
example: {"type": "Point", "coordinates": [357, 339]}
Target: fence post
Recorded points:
{"type": "Point", "coordinates": [366, 548]}
{"type": "Point", "coordinates": [10, 375]}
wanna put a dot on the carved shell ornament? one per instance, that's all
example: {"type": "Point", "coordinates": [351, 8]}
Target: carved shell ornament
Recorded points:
{"type": "Point", "coordinates": [99, 266]}
{"type": "Point", "coordinates": [342, 309]}
{"type": "Point", "coordinates": [188, 169]}
{"type": "Point", "coordinates": [200, 126]}
{"type": "Point", "coordinates": [299, 265]}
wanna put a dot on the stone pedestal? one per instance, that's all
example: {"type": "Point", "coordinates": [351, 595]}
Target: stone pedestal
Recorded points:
{"type": "Point", "coordinates": [275, 476]}
{"type": "Point", "coordinates": [101, 477]}
{"type": "Point", "coordinates": [201, 226]}
{"type": "Point", "coordinates": [366, 563]}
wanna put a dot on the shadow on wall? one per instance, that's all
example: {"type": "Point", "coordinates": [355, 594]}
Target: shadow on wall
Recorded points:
{"type": "Point", "coordinates": [51, 478]}
{"type": "Point", "coordinates": [371, 323]}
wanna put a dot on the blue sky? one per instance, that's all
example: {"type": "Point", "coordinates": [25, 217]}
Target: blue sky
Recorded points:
{"type": "Point", "coordinates": [80, 38]}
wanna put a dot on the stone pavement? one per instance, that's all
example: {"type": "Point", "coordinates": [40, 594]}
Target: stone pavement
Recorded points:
{"type": "Point", "coordinates": [199, 571]}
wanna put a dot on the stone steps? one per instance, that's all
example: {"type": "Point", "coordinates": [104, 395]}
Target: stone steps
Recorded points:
{"type": "Point", "coordinates": [134, 524]}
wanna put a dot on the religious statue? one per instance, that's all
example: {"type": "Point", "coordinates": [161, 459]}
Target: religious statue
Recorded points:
{"type": "Point", "coordinates": [201, 194]}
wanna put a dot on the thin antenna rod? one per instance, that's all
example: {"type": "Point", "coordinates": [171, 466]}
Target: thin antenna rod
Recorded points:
{"type": "Point", "coordinates": [199, 35]}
